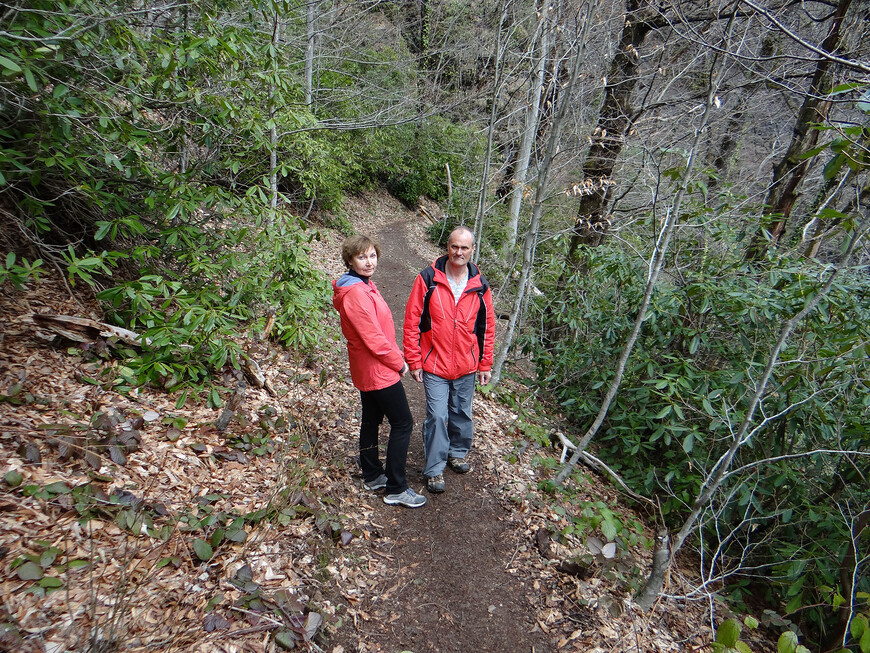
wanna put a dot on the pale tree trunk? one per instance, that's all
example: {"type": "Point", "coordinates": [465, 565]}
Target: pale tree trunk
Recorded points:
{"type": "Point", "coordinates": [828, 195]}
{"type": "Point", "coordinates": [493, 117]}
{"type": "Point", "coordinates": [531, 239]}
{"type": "Point", "coordinates": [656, 264]}
{"type": "Point", "coordinates": [530, 129]}
{"type": "Point", "coordinates": [310, 34]}
{"type": "Point", "coordinates": [273, 130]}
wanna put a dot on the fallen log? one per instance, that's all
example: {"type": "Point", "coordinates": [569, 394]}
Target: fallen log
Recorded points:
{"type": "Point", "coordinates": [82, 329]}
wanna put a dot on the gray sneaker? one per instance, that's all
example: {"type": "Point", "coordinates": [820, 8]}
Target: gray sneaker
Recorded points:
{"type": "Point", "coordinates": [435, 484]}
{"type": "Point", "coordinates": [408, 498]}
{"type": "Point", "coordinates": [376, 484]}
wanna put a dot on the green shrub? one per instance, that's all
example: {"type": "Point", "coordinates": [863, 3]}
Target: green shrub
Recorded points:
{"type": "Point", "coordinates": [703, 345]}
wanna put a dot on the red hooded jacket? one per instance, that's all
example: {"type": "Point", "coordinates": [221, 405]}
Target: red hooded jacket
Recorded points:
{"type": "Point", "coordinates": [444, 337]}
{"type": "Point", "coordinates": [375, 358]}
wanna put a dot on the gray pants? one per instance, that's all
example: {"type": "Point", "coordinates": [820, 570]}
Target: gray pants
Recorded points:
{"type": "Point", "coordinates": [447, 430]}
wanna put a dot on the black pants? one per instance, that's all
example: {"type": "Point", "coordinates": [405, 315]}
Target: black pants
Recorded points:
{"type": "Point", "coordinates": [392, 403]}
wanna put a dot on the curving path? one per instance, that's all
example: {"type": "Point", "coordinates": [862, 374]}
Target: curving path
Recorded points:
{"type": "Point", "coordinates": [448, 590]}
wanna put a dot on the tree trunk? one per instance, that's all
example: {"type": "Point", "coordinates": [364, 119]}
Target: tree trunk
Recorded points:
{"type": "Point", "coordinates": [530, 129]}
{"type": "Point", "coordinates": [273, 130]}
{"type": "Point", "coordinates": [615, 120]}
{"type": "Point", "coordinates": [531, 240]}
{"type": "Point", "coordinates": [648, 594]}
{"type": "Point", "coordinates": [493, 116]}
{"type": "Point", "coordinates": [791, 170]}
{"type": "Point", "coordinates": [656, 264]}
{"type": "Point", "coordinates": [309, 52]}
{"type": "Point", "coordinates": [724, 154]}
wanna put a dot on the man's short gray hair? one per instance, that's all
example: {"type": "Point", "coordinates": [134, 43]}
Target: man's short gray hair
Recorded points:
{"type": "Point", "coordinates": [459, 230]}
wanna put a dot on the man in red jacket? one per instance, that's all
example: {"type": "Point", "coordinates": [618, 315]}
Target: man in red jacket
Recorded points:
{"type": "Point", "coordinates": [449, 333]}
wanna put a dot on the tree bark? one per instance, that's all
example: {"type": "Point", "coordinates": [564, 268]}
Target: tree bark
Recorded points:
{"type": "Point", "coordinates": [531, 240]}
{"type": "Point", "coordinates": [309, 53]}
{"type": "Point", "coordinates": [273, 130]}
{"type": "Point", "coordinates": [530, 129]}
{"type": "Point", "coordinates": [615, 120]}
{"type": "Point", "coordinates": [792, 168]}
{"type": "Point", "coordinates": [493, 116]}
{"type": "Point", "coordinates": [233, 404]}
{"type": "Point", "coordinates": [647, 596]}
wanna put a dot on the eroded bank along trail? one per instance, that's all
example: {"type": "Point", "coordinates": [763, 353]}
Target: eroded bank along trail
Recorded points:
{"type": "Point", "coordinates": [448, 589]}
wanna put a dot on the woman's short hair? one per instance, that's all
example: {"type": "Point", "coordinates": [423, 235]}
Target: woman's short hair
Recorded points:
{"type": "Point", "coordinates": [355, 245]}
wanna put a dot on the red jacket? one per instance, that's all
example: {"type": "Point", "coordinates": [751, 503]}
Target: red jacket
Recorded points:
{"type": "Point", "coordinates": [447, 338]}
{"type": "Point", "coordinates": [375, 358]}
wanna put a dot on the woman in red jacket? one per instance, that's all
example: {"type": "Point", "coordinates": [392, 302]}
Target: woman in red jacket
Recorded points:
{"type": "Point", "coordinates": [376, 368]}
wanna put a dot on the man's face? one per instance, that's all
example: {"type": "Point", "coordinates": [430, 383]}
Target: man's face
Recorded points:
{"type": "Point", "coordinates": [459, 248]}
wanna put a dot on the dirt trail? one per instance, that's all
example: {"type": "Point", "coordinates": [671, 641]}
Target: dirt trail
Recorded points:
{"type": "Point", "coordinates": [449, 590]}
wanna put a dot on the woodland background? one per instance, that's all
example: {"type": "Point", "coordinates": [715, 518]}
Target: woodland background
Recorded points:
{"type": "Point", "coordinates": [670, 197]}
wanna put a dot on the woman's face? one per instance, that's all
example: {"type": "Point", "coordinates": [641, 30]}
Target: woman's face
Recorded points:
{"type": "Point", "coordinates": [364, 264]}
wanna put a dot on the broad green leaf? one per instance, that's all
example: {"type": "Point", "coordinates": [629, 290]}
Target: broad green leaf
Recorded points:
{"type": "Point", "coordinates": [728, 633]}
{"type": "Point", "coordinates": [8, 64]}
{"type": "Point", "coordinates": [608, 529]}
{"type": "Point", "coordinates": [48, 557]}
{"type": "Point", "coordinates": [58, 487]}
{"type": "Point", "coordinates": [238, 535]}
{"type": "Point", "coordinates": [13, 478]}
{"type": "Point", "coordinates": [787, 642]}
{"type": "Point", "coordinates": [202, 549]}
{"type": "Point", "coordinates": [31, 80]}
{"type": "Point", "coordinates": [213, 601]}
{"type": "Point", "coordinates": [858, 626]}
{"type": "Point", "coordinates": [664, 412]}
{"type": "Point", "coordinates": [689, 443]}
{"type": "Point", "coordinates": [286, 639]}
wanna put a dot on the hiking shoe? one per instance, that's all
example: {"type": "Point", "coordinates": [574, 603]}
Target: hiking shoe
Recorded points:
{"type": "Point", "coordinates": [408, 498]}
{"type": "Point", "coordinates": [435, 484]}
{"type": "Point", "coordinates": [378, 483]}
{"type": "Point", "coordinates": [458, 465]}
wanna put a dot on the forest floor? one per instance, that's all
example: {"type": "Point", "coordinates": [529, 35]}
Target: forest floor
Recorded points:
{"type": "Point", "coordinates": [262, 537]}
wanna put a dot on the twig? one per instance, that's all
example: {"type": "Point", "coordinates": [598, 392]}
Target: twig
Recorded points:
{"type": "Point", "coordinates": [595, 463]}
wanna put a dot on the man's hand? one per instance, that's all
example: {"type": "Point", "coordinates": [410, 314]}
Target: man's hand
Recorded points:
{"type": "Point", "coordinates": [483, 377]}
{"type": "Point", "coordinates": [418, 375]}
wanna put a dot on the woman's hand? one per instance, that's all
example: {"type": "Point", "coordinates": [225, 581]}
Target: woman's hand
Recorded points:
{"type": "Point", "coordinates": [405, 370]}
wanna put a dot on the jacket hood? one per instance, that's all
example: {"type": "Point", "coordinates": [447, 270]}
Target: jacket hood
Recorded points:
{"type": "Point", "coordinates": [343, 285]}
